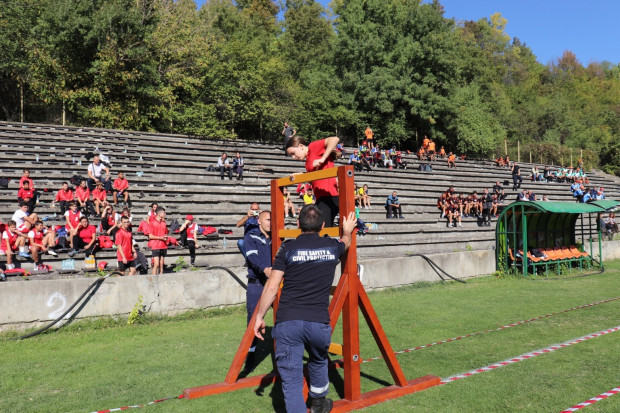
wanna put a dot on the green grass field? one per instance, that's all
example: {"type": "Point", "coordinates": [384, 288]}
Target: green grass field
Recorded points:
{"type": "Point", "coordinates": [104, 364]}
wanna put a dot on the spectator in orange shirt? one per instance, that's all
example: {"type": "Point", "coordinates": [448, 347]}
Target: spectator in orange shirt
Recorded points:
{"type": "Point", "coordinates": [425, 142]}
{"type": "Point", "coordinates": [100, 197]}
{"type": "Point", "coordinates": [26, 194]}
{"type": "Point", "coordinates": [120, 187]}
{"type": "Point", "coordinates": [451, 160]}
{"type": "Point", "coordinates": [63, 197]}
{"type": "Point", "coordinates": [442, 152]}
{"type": "Point", "coordinates": [82, 196]}
{"type": "Point", "coordinates": [431, 150]}
{"type": "Point", "coordinates": [369, 137]}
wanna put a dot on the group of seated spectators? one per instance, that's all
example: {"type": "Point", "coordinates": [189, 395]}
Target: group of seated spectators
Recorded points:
{"type": "Point", "coordinates": [362, 198]}
{"type": "Point", "coordinates": [367, 158]}
{"type": "Point", "coordinates": [583, 194]}
{"type": "Point", "coordinates": [455, 206]}
{"type": "Point", "coordinates": [224, 167]}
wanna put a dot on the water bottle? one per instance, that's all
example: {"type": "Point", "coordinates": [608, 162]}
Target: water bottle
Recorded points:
{"type": "Point", "coordinates": [224, 243]}
{"type": "Point", "coordinates": [73, 159]}
{"type": "Point", "coordinates": [357, 212]}
{"type": "Point", "coordinates": [37, 158]}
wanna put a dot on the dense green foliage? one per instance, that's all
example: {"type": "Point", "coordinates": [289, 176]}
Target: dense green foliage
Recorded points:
{"type": "Point", "coordinates": [240, 68]}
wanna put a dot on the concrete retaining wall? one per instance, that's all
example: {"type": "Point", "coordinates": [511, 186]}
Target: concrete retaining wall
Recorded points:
{"type": "Point", "coordinates": [39, 301]}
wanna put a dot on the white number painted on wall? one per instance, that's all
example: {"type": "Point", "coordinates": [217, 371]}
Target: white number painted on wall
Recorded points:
{"type": "Point", "coordinates": [56, 300]}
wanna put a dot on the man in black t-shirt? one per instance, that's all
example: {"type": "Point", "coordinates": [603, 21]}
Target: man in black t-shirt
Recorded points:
{"type": "Point", "coordinates": [516, 176]}
{"type": "Point", "coordinates": [302, 319]}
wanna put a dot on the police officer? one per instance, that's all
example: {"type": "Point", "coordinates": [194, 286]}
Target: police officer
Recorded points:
{"type": "Point", "coordinates": [302, 319]}
{"type": "Point", "coordinates": [258, 258]}
{"type": "Point", "coordinates": [248, 222]}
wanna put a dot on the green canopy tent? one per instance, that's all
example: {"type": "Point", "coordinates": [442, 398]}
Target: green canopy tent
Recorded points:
{"type": "Point", "coordinates": [524, 225]}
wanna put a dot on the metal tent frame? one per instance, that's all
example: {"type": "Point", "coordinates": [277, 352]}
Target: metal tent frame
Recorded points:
{"type": "Point", "coordinates": [537, 224]}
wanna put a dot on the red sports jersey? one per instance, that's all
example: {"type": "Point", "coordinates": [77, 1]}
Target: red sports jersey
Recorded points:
{"type": "Point", "coordinates": [152, 215]}
{"type": "Point", "coordinates": [64, 195]}
{"type": "Point", "coordinates": [124, 241]}
{"type": "Point", "coordinates": [23, 193]}
{"type": "Point", "coordinates": [158, 229]}
{"type": "Point", "coordinates": [36, 237]}
{"type": "Point", "coordinates": [24, 179]}
{"type": "Point", "coordinates": [12, 237]}
{"type": "Point", "coordinates": [191, 229]}
{"type": "Point", "coordinates": [324, 187]}
{"type": "Point", "coordinates": [74, 219]}
{"type": "Point", "coordinates": [87, 233]}
{"type": "Point", "coordinates": [112, 219]}
{"type": "Point", "coordinates": [120, 184]}
{"type": "Point", "coordinates": [99, 194]}
{"type": "Point", "coordinates": [83, 194]}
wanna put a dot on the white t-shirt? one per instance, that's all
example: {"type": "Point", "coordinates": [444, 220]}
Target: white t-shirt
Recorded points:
{"type": "Point", "coordinates": [96, 170]}
{"type": "Point", "coordinates": [19, 216]}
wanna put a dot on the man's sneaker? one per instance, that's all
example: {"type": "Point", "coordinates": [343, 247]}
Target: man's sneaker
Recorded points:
{"type": "Point", "coordinates": [459, 224]}
{"type": "Point", "coordinates": [72, 253]}
{"type": "Point", "coordinates": [401, 217]}
{"type": "Point", "coordinates": [321, 405]}
{"type": "Point", "coordinates": [52, 253]}
{"type": "Point", "coordinates": [24, 255]}
{"type": "Point", "coordinates": [10, 266]}
{"type": "Point", "coordinates": [2, 276]}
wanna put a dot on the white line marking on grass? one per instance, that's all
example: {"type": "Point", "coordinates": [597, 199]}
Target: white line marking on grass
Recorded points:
{"type": "Point", "coordinates": [528, 355]}
{"type": "Point", "coordinates": [593, 400]}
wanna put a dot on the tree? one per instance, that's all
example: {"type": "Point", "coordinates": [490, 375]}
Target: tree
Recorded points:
{"type": "Point", "coordinates": [398, 64]}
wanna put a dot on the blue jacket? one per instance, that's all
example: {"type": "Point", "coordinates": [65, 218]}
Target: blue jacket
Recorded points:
{"type": "Point", "coordinates": [391, 200]}
{"type": "Point", "coordinates": [258, 253]}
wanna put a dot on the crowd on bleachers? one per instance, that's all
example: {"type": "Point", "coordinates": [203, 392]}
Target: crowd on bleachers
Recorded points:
{"type": "Point", "coordinates": [89, 222]}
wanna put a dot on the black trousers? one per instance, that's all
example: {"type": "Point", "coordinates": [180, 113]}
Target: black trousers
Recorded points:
{"type": "Point", "coordinates": [516, 178]}
{"type": "Point", "coordinates": [78, 244]}
{"type": "Point", "coordinates": [89, 209]}
{"type": "Point", "coordinates": [392, 210]}
{"type": "Point", "coordinates": [226, 169]}
{"type": "Point", "coordinates": [191, 245]}
{"type": "Point", "coordinates": [64, 207]}
{"type": "Point", "coordinates": [329, 209]}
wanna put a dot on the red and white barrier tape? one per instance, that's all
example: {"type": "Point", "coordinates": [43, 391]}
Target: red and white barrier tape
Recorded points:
{"type": "Point", "coordinates": [118, 409]}
{"type": "Point", "coordinates": [495, 329]}
{"type": "Point", "coordinates": [592, 400]}
{"type": "Point", "coordinates": [529, 355]}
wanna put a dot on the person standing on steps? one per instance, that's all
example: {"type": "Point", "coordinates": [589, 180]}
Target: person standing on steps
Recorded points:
{"type": "Point", "coordinates": [288, 132]}
{"type": "Point", "coordinates": [302, 319]}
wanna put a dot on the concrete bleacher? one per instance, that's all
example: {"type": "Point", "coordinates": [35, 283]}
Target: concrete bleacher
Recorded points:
{"type": "Point", "coordinates": [173, 174]}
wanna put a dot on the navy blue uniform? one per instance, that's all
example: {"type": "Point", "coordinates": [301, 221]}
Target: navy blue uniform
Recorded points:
{"type": "Point", "coordinates": [302, 320]}
{"type": "Point", "coordinates": [258, 257]}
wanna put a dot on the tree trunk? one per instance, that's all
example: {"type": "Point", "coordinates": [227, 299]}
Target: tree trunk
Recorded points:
{"type": "Point", "coordinates": [64, 113]}
{"type": "Point", "coordinates": [21, 102]}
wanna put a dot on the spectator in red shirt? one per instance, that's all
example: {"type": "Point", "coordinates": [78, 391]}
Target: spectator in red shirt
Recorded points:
{"type": "Point", "coordinates": [26, 194]}
{"type": "Point", "coordinates": [63, 197]}
{"type": "Point", "coordinates": [26, 178]}
{"type": "Point", "coordinates": [40, 240]}
{"type": "Point", "coordinates": [100, 197]}
{"type": "Point", "coordinates": [110, 221]}
{"type": "Point", "coordinates": [12, 241]}
{"type": "Point", "coordinates": [318, 156]}
{"type": "Point", "coordinates": [82, 197]}
{"type": "Point", "coordinates": [125, 252]}
{"type": "Point", "coordinates": [84, 238]}
{"type": "Point", "coordinates": [158, 237]}
{"type": "Point", "coordinates": [152, 214]}
{"type": "Point", "coordinates": [189, 231]}
{"type": "Point", "coordinates": [120, 188]}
